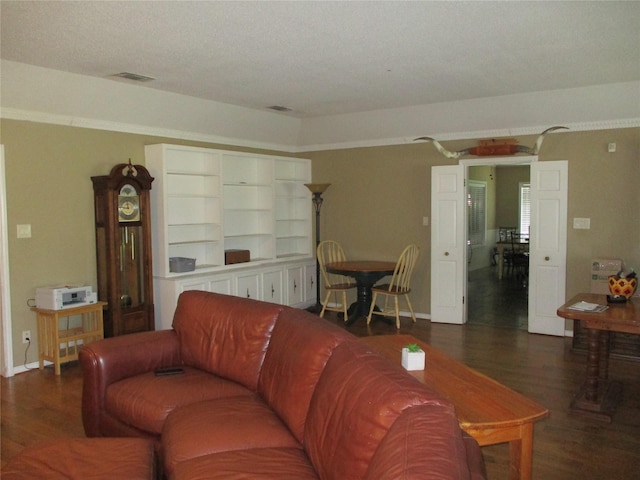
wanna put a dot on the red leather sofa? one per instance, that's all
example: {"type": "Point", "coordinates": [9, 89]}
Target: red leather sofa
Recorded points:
{"type": "Point", "coordinates": [270, 392]}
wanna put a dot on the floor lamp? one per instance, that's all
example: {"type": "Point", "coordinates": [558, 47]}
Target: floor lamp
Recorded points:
{"type": "Point", "coordinates": [317, 189]}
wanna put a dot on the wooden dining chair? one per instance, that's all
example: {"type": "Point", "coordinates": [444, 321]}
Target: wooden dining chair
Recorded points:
{"type": "Point", "coordinates": [520, 257]}
{"type": "Point", "coordinates": [504, 236]}
{"type": "Point", "coordinates": [330, 251]}
{"type": "Point", "coordinates": [399, 286]}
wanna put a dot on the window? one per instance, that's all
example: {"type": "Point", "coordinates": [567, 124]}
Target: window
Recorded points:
{"type": "Point", "coordinates": [525, 208]}
{"type": "Point", "coordinates": [477, 205]}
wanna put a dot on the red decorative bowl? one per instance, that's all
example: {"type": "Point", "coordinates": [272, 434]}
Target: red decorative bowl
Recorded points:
{"type": "Point", "coordinates": [624, 287]}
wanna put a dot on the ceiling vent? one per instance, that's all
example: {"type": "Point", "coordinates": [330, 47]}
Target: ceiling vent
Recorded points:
{"type": "Point", "coordinates": [133, 76]}
{"type": "Point", "coordinates": [279, 108]}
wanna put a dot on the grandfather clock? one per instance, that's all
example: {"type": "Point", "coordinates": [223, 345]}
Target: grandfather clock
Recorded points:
{"type": "Point", "coordinates": [123, 247]}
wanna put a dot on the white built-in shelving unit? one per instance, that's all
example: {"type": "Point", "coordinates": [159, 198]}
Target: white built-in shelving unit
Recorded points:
{"type": "Point", "coordinates": [206, 201]}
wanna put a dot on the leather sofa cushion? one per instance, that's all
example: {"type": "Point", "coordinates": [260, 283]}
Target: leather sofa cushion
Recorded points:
{"type": "Point", "coordinates": [252, 464]}
{"type": "Point", "coordinates": [84, 458]}
{"type": "Point", "coordinates": [359, 391]}
{"type": "Point", "coordinates": [300, 346]}
{"type": "Point", "coordinates": [144, 401]}
{"type": "Point", "coordinates": [220, 425]}
{"type": "Point", "coordinates": [215, 336]}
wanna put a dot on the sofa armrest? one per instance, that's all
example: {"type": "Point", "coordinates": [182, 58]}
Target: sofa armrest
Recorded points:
{"type": "Point", "coordinates": [426, 442]}
{"type": "Point", "coordinates": [475, 461]}
{"type": "Point", "coordinates": [107, 361]}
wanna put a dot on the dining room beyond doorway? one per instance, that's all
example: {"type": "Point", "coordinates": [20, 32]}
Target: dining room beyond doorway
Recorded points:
{"type": "Point", "coordinates": [495, 297]}
{"type": "Point", "coordinates": [496, 302]}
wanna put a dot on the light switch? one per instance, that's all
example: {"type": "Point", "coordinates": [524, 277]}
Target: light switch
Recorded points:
{"type": "Point", "coordinates": [425, 221]}
{"type": "Point", "coordinates": [24, 231]}
{"type": "Point", "coordinates": [582, 223]}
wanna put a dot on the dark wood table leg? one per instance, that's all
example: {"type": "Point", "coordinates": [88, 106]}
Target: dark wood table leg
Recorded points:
{"type": "Point", "coordinates": [360, 308]}
{"type": "Point", "coordinates": [598, 397]}
{"type": "Point", "coordinates": [593, 365]}
{"type": "Point", "coordinates": [603, 345]}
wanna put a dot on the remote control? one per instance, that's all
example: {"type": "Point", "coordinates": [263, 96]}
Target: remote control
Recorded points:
{"type": "Point", "coordinates": [169, 371]}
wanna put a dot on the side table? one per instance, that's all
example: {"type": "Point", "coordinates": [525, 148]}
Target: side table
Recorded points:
{"type": "Point", "coordinates": [54, 344]}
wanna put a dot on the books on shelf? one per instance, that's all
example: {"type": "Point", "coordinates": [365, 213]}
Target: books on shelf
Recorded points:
{"type": "Point", "coordinates": [588, 307]}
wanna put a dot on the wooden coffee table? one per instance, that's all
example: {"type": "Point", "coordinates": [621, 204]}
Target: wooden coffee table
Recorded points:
{"type": "Point", "coordinates": [487, 410]}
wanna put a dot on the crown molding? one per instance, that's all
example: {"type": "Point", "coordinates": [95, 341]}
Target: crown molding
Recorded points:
{"type": "Point", "coordinates": [72, 121]}
{"type": "Point", "coordinates": [79, 122]}
{"type": "Point", "coordinates": [497, 133]}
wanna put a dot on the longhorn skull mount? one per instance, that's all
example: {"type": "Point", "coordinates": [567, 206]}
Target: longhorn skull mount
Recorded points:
{"type": "Point", "coordinates": [487, 150]}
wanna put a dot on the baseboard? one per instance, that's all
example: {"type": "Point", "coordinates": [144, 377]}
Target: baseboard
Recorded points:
{"type": "Point", "coordinates": [30, 366]}
{"type": "Point", "coordinates": [420, 316]}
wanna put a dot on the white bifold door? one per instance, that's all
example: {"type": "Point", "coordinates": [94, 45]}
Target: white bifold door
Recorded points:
{"type": "Point", "coordinates": [548, 233]}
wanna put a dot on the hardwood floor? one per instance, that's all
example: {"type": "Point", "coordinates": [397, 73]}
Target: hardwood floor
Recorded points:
{"type": "Point", "coordinates": [498, 303]}
{"type": "Point", "coordinates": [37, 406]}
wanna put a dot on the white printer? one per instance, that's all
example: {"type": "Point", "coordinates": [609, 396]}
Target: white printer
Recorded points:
{"type": "Point", "coordinates": [61, 297]}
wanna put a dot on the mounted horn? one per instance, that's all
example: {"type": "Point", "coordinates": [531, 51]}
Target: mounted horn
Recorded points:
{"type": "Point", "coordinates": [536, 149]}
{"type": "Point", "coordinates": [492, 150]}
{"type": "Point", "coordinates": [440, 148]}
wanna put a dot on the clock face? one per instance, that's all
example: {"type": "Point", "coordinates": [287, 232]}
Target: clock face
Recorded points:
{"type": "Point", "coordinates": [128, 204]}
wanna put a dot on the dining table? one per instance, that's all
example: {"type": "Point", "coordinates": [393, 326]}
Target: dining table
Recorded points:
{"type": "Point", "coordinates": [366, 273]}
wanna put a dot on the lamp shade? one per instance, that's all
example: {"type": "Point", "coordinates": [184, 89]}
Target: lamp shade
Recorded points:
{"type": "Point", "coordinates": [317, 187]}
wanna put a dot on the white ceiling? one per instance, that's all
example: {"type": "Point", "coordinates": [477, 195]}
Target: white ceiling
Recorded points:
{"type": "Point", "coordinates": [325, 58]}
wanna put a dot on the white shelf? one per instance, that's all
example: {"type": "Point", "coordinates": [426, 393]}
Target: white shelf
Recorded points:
{"type": "Point", "coordinates": [206, 201]}
{"type": "Point", "coordinates": [290, 169]}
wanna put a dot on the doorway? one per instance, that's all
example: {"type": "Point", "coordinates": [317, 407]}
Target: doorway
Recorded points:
{"type": "Point", "coordinates": [547, 242]}
{"type": "Point", "coordinates": [494, 200]}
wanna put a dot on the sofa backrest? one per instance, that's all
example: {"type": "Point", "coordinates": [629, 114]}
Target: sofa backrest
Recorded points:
{"type": "Point", "coordinates": [224, 335]}
{"type": "Point", "coordinates": [359, 397]}
{"type": "Point", "coordinates": [300, 346]}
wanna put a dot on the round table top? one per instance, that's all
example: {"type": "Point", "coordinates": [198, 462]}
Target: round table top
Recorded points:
{"type": "Point", "coordinates": [362, 266]}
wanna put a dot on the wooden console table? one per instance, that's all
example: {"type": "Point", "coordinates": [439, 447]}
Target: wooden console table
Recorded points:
{"type": "Point", "coordinates": [54, 343]}
{"type": "Point", "coordinates": [599, 397]}
{"type": "Point", "coordinates": [487, 410]}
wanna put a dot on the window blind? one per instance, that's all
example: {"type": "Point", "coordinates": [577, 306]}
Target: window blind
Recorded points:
{"type": "Point", "coordinates": [525, 208]}
{"type": "Point", "coordinates": [477, 213]}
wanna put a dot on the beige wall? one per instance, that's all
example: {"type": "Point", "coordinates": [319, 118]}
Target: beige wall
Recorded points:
{"type": "Point", "coordinates": [379, 196]}
{"type": "Point", "coordinates": [48, 180]}
{"type": "Point", "coordinates": [508, 201]}
{"type": "Point", "coordinates": [374, 206]}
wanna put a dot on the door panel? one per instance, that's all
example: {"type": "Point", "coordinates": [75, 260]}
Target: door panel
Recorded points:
{"type": "Point", "coordinates": [448, 287]}
{"type": "Point", "coordinates": [272, 287]}
{"type": "Point", "coordinates": [548, 246]}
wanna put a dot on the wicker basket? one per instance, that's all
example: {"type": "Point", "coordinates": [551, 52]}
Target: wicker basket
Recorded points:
{"type": "Point", "coordinates": [624, 287]}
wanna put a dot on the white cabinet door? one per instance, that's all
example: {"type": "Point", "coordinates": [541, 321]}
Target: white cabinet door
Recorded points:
{"type": "Point", "coordinates": [248, 285]}
{"type": "Point", "coordinates": [221, 284]}
{"type": "Point", "coordinates": [295, 285]}
{"type": "Point", "coordinates": [272, 286]}
{"type": "Point", "coordinates": [448, 288]}
{"type": "Point", "coordinates": [310, 288]}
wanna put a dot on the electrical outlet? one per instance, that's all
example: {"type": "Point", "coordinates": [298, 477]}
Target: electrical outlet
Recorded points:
{"type": "Point", "coordinates": [26, 336]}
